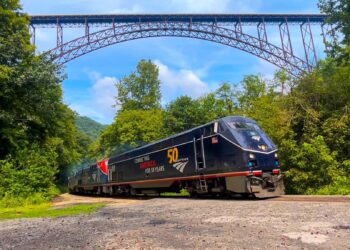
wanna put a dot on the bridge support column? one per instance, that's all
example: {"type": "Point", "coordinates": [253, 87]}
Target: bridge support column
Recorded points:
{"type": "Point", "coordinates": [262, 34]}
{"type": "Point", "coordinates": [238, 29]}
{"type": "Point", "coordinates": [308, 43]}
{"type": "Point", "coordinates": [285, 39]}
{"type": "Point", "coordinates": [32, 34]}
{"type": "Point", "coordinates": [87, 29]}
{"type": "Point", "coordinates": [59, 40]}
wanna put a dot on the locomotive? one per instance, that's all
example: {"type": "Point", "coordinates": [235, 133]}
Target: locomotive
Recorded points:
{"type": "Point", "coordinates": [230, 155]}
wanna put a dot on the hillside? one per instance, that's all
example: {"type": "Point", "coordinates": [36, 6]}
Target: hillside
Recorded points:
{"type": "Point", "coordinates": [89, 127]}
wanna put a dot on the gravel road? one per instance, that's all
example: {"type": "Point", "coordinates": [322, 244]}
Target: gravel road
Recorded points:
{"type": "Point", "coordinates": [181, 223]}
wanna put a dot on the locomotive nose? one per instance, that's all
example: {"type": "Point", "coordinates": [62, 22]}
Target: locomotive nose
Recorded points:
{"type": "Point", "coordinates": [260, 161]}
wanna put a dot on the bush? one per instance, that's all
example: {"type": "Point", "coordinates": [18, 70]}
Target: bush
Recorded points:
{"type": "Point", "coordinates": [28, 179]}
{"type": "Point", "coordinates": [339, 186]}
{"type": "Point", "coordinates": [313, 169]}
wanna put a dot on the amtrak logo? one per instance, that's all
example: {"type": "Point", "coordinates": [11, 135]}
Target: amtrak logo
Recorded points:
{"type": "Point", "coordinates": [181, 164]}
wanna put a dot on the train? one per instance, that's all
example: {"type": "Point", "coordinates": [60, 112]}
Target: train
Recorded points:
{"type": "Point", "coordinates": [228, 156]}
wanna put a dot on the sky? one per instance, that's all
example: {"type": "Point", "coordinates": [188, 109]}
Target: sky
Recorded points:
{"type": "Point", "coordinates": [186, 66]}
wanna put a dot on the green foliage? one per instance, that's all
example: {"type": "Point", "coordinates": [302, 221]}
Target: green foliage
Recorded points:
{"type": "Point", "coordinates": [282, 80]}
{"type": "Point", "coordinates": [38, 136]}
{"type": "Point", "coordinates": [336, 131]}
{"type": "Point", "coordinates": [226, 96]}
{"type": "Point", "coordinates": [254, 87]}
{"type": "Point", "coordinates": [140, 90]}
{"type": "Point", "coordinates": [30, 174]}
{"type": "Point", "coordinates": [132, 128]}
{"type": "Point", "coordinates": [136, 127]}
{"type": "Point", "coordinates": [10, 201]}
{"type": "Point", "coordinates": [339, 13]}
{"type": "Point", "coordinates": [182, 114]}
{"type": "Point", "coordinates": [183, 193]}
{"type": "Point", "coordinates": [84, 142]}
{"type": "Point", "coordinates": [15, 48]}
{"type": "Point", "coordinates": [311, 166]}
{"type": "Point", "coordinates": [339, 186]}
{"type": "Point", "coordinates": [89, 127]}
{"type": "Point", "coordinates": [185, 113]}
{"type": "Point", "coordinates": [45, 210]}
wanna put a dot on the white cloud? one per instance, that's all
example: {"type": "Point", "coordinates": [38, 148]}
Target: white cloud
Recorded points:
{"type": "Point", "coordinates": [104, 92]}
{"type": "Point", "coordinates": [179, 82]}
{"type": "Point", "coordinates": [84, 110]}
{"type": "Point", "coordinates": [100, 99]}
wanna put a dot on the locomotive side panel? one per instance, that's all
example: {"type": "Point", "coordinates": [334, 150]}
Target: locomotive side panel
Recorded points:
{"type": "Point", "coordinates": [222, 156]}
{"type": "Point", "coordinates": [172, 162]}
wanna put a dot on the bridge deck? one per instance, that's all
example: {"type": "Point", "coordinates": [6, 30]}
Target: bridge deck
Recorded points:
{"type": "Point", "coordinates": [52, 20]}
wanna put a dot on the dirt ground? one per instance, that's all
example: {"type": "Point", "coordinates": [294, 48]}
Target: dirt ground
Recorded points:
{"type": "Point", "coordinates": [293, 222]}
{"type": "Point", "coordinates": [68, 199]}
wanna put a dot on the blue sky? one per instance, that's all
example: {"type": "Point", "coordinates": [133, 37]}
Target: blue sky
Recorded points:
{"type": "Point", "coordinates": [187, 66]}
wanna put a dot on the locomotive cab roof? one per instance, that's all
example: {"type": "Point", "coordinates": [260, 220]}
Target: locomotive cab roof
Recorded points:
{"type": "Point", "coordinates": [248, 134]}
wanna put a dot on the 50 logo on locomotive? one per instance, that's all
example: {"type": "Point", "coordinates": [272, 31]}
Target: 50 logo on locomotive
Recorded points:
{"type": "Point", "coordinates": [173, 155]}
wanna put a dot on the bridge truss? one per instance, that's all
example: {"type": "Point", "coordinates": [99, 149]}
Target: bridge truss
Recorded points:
{"type": "Point", "coordinates": [227, 29]}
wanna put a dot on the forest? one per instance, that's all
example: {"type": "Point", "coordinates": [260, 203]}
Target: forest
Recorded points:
{"type": "Point", "coordinates": [42, 139]}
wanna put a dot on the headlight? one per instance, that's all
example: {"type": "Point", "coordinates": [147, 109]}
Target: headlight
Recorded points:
{"type": "Point", "coordinates": [251, 156]}
{"type": "Point", "coordinates": [276, 155]}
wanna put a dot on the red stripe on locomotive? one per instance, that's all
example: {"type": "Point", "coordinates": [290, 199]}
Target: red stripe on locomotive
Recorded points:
{"type": "Point", "coordinates": [103, 166]}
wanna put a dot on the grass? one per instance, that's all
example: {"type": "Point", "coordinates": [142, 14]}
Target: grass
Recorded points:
{"type": "Point", "coordinates": [46, 210]}
{"type": "Point", "coordinates": [183, 193]}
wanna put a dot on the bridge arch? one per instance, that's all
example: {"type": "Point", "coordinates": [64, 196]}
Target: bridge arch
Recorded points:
{"type": "Point", "coordinates": [235, 38]}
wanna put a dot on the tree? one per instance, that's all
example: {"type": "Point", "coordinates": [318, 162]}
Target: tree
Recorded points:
{"type": "Point", "coordinates": [141, 89]}
{"type": "Point", "coordinates": [225, 94]}
{"type": "Point", "coordinates": [131, 128]}
{"type": "Point", "coordinates": [211, 108]}
{"type": "Point", "coordinates": [15, 48]}
{"type": "Point", "coordinates": [312, 166]}
{"type": "Point", "coordinates": [253, 87]}
{"type": "Point", "coordinates": [315, 155]}
{"type": "Point", "coordinates": [33, 118]}
{"type": "Point", "coordinates": [181, 114]}
{"type": "Point", "coordinates": [281, 80]}
{"type": "Point", "coordinates": [339, 16]}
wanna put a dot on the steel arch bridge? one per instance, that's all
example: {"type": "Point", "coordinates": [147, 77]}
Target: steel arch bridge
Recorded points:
{"type": "Point", "coordinates": [226, 29]}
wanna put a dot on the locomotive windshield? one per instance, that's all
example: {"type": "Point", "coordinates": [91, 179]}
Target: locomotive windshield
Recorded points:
{"type": "Point", "coordinates": [251, 136]}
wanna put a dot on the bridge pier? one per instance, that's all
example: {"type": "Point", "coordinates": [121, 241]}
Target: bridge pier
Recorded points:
{"type": "Point", "coordinates": [32, 34]}
{"type": "Point", "coordinates": [308, 43]}
{"type": "Point", "coordinates": [285, 39]}
{"type": "Point", "coordinates": [262, 34]}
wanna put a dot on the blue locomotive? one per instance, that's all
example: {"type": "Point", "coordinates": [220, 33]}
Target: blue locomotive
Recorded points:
{"type": "Point", "coordinates": [231, 155]}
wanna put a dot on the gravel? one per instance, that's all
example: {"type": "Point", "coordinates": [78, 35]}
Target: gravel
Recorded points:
{"type": "Point", "coordinates": [180, 223]}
